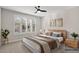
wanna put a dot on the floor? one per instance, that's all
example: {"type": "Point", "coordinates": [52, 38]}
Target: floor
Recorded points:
{"type": "Point", "coordinates": [65, 49]}
{"type": "Point", "coordinates": [17, 47]}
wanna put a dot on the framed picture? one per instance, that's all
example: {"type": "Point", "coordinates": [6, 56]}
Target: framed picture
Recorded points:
{"type": "Point", "coordinates": [59, 22]}
{"type": "Point", "coordinates": [56, 22]}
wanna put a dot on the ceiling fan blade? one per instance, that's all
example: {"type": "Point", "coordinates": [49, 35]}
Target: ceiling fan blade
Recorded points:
{"type": "Point", "coordinates": [43, 10]}
{"type": "Point", "coordinates": [36, 12]}
{"type": "Point", "coordinates": [36, 7]}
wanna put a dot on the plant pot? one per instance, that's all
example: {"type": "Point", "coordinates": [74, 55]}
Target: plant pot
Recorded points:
{"type": "Point", "coordinates": [74, 38]}
{"type": "Point", "coordinates": [3, 42]}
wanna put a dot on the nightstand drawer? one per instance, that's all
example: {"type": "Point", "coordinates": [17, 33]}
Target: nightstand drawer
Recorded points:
{"type": "Point", "coordinates": [72, 43]}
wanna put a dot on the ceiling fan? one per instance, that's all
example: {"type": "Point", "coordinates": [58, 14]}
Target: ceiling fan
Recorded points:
{"type": "Point", "coordinates": [39, 10]}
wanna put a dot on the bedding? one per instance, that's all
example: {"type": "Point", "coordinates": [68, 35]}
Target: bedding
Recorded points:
{"type": "Point", "coordinates": [63, 33]}
{"type": "Point", "coordinates": [42, 43]}
{"type": "Point", "coordinates": [60, 39]}
{"type": "Point", "coordinates": [56, 34]}
{"type": "Point", "coordinates": [32, 46]}
{"type": "Point", "coordinates": [36, 45]}
{"type": "Point", "coordinates": [52, 43]}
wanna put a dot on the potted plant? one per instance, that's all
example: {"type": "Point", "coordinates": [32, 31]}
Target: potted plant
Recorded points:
{"type": "Point", "coordinates": [4, 34]}
{"type": "Point", "coordinates": [75, 35]}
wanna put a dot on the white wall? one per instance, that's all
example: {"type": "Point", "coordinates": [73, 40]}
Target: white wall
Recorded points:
{"type": "Point", "coordinates": [46, 20]}
{"type": "Point", "coordinates": [70, 20]}
{"type": "Point", "coordinates": [9, 23]}
{"type": "Point", "coordinates": [0, 26]}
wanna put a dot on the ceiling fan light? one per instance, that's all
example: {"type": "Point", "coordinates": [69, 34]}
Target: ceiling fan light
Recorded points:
{"type": "Point", "coordinates": [38, 11]}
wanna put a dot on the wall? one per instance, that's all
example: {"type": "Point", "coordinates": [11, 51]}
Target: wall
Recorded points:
{"type": "Point", "coordinates": [0, 26]}
{"type": "Point", "coordinates": [46, 20]}
{"type": "Point", "coordinates": [9, 23]}
{"type": "Point", "coordinates": [70, 20]}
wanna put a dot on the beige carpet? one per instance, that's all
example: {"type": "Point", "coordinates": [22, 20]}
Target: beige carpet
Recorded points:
{"type": "Point", "coordinates": [17, 47]}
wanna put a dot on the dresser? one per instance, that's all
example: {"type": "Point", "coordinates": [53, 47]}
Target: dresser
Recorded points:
{"type": "Point", "coordinates": [73, 43]}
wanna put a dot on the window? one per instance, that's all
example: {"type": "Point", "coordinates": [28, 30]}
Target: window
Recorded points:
{"type": "Point", "coordinates": [24, 25]}
{"type": "Point", "coordinates": [29, 25]}
{"type": "Point", "coordinates": [17, 25]}
{"type": "Point", "coordinates": [33, 26]}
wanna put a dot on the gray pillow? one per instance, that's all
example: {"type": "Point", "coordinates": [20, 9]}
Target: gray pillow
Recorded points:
{"type": "Point", "coordinates": [56, 34]}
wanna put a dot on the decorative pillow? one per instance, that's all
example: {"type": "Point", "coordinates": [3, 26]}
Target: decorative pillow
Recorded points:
{"type": "Point", "coordinates": [57, 34]}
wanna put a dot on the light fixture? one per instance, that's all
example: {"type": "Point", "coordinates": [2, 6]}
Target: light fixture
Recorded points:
{"type": "Point", "coordinates": [38, 11]}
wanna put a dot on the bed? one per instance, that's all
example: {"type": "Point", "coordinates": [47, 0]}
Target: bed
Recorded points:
{"type": "Point", "coordinates": [44, 43]}
{"type": "Point", "coordinates": [35, 45]}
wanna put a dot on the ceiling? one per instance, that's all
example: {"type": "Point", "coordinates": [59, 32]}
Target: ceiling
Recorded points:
{"type": "Point", "coordinates": [31, 9]}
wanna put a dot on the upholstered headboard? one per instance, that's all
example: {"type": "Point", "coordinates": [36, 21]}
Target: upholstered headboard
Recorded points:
{"type": "Point", "coordinates": [64, 32]}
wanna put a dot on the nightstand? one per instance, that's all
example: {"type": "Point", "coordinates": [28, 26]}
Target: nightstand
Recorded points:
{"type": "Point", "coordinates": [74, 43]}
